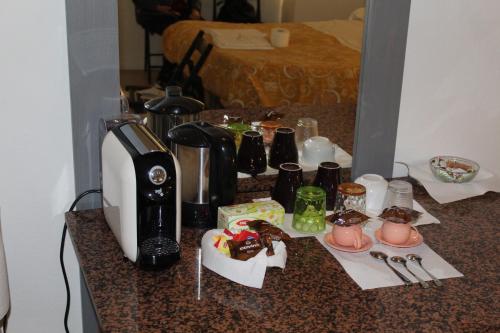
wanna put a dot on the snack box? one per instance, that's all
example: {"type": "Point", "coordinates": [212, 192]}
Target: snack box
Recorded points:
{"type": "Point", "coordinates": [234, 217]}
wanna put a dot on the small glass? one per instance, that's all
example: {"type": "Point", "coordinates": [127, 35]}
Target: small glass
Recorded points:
{"type": "Point", "coordinates": [288, 182]}
{"type": "Point", "coordinates": [310, 210]}
{"type": "Point", "coordinates": [237, 129]}
{"type": "Point", "coordinates": [351, 196]}
{"type": "Point", "coordinates": [251, 154]}
{"type": "Point", "coordinates": [268, 128]}
{"type": "Point", "coordinates": [306, 128]}
{"type": "Point", "coordinates": [400, 194]}
{"type": "Point", "coordinates": [283, 148]}
{"type": "Point", "coordinates": [328, 177]}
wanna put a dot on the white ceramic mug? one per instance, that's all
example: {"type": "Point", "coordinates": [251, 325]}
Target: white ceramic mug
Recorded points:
{"type": "Point", "coordinates": [318, 149]}
{"type": "Point", "coordinates": [376, 189]}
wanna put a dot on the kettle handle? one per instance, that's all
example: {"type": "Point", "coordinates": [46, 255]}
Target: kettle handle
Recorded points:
{"type": "Point", "coordinates": [223, 170]}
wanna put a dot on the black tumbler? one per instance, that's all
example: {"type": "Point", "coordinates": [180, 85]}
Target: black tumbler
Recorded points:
{"type": "Point", "coordinates": [283, 148]}
{"type": "Point", "coordinates": [252, 154]}
{"type": "Point", "coordinates": [287, 184]}
{"type": "Point", "coordinates": [328, 177]}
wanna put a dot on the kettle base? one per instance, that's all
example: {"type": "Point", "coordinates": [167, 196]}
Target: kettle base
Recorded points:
{"type": "Point", "coordinates": [197, 216]}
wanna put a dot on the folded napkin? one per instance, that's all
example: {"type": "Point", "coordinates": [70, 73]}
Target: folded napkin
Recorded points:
{"type": "Point", "coordinates": [239, 39]}
{"type": "Point", "coordinates": [249, 273]}
{"type": "Point", "coordinates": [443, 193]}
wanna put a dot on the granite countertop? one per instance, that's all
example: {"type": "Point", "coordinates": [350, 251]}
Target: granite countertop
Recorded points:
{"type": "Point", "coordinates": [335, 122]}
{"type": "Point", "coordinates": [312, 294]}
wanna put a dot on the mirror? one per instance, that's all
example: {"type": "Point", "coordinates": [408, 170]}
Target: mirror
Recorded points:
{"type": "Point", "coordinates": [291, 76]}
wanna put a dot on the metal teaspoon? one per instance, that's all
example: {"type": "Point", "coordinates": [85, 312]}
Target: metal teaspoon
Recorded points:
{"type": "Point", "coordinates": [401, 260]}
{"type": "Point", "coordinates": [382, 256]}
{"type": "Point", "coordinates": [418, 259]}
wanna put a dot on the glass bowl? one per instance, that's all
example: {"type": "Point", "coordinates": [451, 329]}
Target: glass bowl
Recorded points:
{"type": "Point", "coordinates": [452, 169]}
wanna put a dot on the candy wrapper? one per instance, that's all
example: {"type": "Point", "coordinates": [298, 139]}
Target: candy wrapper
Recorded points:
{"type": "Point", "coordinates": [400, 214]}
{"type": "Point", "coordinates": [250, 272]}
{"type": "Point", "coordinates": [247, 244]}
{"type": "Point", "coordinates": [348, 217]}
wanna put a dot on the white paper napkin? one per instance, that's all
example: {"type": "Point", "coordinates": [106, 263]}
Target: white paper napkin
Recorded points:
{"type": "Point", "coordinates": [242, 39]}
{"type": "Point", "coordinates": [341, 157]}
{"type": "Point", "coordinates": [249, 273]}
{"type": "Point", "coordinates": [370, 273]}
{"type": "Point", "coordinates": [443, 193]}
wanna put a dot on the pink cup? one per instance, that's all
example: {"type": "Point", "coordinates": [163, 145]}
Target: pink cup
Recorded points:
{"type": "Point", "coordinates": [398, 233]}
{"type": "Point", "coordinates": [350, 236]}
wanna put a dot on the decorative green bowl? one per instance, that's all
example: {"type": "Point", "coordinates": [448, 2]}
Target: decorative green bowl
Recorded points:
{"type": "Point", "coordinates": [452, 169]}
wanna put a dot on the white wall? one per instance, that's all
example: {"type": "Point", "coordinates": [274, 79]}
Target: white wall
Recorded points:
{"type": "Point", "coordinates": [36, 167]}
{"type": "Point", "coordinates": [450, 97]}
{"type": "Point", "coordinates": [318, 10]}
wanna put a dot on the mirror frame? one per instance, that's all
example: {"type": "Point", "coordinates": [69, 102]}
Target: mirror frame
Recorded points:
{"type": "Point", "coordinates": [381, 80]}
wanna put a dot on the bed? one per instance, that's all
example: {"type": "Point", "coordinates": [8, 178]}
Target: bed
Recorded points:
{"type": "Point", "coordinates": [319, 67]}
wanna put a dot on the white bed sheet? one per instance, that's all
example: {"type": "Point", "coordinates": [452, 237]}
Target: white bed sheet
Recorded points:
{"type": "Point", "coordinates": [349, 33]}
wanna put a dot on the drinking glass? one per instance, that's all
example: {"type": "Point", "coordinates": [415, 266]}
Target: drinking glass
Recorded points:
{"type": "Point", "coordinates": [306, 128]}
{"type": "Point", "coordinates": [237, 129]}
{"type": "Point", "coordinates": [283, 148]}
{"type": "Point", "coordinates": [351, 196]}
{"type": "Point", "coordinates": [268, 128]}
{"type": "Point", "coordinates": [285, 189]}
{"type": "Point", "coordinates": [309, 211]}
{"type": "Point", "coordinates": [252, 154]}
{"type": "Point", "coordinates": [328, 177]}
{"type": "Point", "coordinates": [400, 194]}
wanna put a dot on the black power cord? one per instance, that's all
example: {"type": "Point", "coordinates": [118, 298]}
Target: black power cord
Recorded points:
{"type": "Point", "coordinates": [61, 255]}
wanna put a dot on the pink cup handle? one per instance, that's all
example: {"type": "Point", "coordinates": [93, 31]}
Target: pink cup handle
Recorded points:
{"type": "Point", "coordinates": [414, 228]}
{"type": "Point", "coordinates": [358, 241]}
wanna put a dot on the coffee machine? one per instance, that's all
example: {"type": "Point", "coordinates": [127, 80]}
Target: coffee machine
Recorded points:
{"type": "Point", "coordinates": [207, 157]}
{"type": "Point", "coordinates": [141, 195]}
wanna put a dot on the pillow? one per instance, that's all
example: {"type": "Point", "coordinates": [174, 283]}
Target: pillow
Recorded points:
{"type": "Point", "coordinates": [357, 15]}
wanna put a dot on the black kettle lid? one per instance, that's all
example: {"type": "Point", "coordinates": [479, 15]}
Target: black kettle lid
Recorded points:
{"type": "Point", "coordinates": [174, 103]}
{"type": "Point", "coordinates": [197, 134]}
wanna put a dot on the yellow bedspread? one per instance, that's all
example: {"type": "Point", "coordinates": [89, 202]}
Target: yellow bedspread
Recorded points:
{"type": "Point", "coordinates": [315, 69]}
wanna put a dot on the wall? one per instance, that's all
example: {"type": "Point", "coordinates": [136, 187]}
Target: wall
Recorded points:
{"type": "Point", "coordinates": [132, 35]}
{"type": "Point", "coordinates": [449, 100]}
{"type": "Point", "coordinates": [36, 168]}
{"type": "Point", "coordinates": [92, 29]}
{"type": "Point", "coordinates": [319, 10]}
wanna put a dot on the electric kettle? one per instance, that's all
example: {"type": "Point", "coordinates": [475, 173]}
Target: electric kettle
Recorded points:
{"type": "Point", "coordinates": [207, 158]}
{"type": "Point", "coordinates": [164, 113]}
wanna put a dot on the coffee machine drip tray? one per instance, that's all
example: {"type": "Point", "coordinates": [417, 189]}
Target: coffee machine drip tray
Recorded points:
{"type": "Point", "coordinates": [158, 252]}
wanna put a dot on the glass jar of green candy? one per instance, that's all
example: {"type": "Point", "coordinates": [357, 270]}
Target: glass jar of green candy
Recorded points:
{"type": "Point", "coordinates": [309, 212]}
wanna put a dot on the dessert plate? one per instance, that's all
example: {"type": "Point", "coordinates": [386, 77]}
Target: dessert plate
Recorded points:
{"type": "Point", "coordinates": [367, 244]}
{"type": "Point", "coordinates": [415, 240]}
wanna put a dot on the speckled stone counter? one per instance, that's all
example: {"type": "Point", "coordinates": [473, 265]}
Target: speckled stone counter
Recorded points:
{"type": "Point", "coordinates": [335, 122]}
{"type": "Point", "coordinates": [312, 294]}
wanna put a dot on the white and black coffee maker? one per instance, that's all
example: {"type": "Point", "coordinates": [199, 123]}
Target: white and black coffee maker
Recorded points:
{"type": "Point", "coordinates": [141, 185]}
